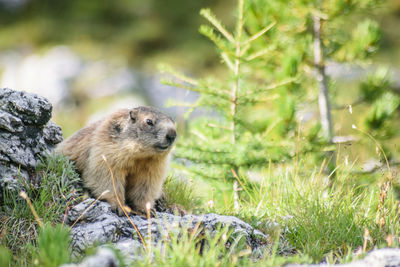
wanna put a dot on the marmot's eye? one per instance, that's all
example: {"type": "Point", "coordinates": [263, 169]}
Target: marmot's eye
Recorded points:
{"type": "Point", "coordinates": [149, 122]}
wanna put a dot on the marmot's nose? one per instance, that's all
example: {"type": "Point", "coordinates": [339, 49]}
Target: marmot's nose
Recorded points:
{"type": "Point", "coordinates": [171, 135]}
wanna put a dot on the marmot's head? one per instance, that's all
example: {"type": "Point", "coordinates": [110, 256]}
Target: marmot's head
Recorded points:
{"type": "Point", "coordinates": [151, 130]}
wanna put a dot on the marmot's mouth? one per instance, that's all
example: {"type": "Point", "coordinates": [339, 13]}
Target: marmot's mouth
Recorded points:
{"type": "Point", "coordinates": [162, 147]}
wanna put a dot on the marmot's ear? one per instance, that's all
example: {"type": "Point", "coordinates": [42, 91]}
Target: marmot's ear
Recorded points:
{"type": "Point", "coordinates": [133, 114]}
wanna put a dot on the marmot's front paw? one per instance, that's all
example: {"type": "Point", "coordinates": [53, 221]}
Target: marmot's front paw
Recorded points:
{"type": "Point", "coordinates": [143, 213]}
{"type": "Point", "coordinates": [118, 209]}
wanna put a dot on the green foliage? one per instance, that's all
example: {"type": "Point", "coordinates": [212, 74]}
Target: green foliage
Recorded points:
{"type": "Point", "coordinates": [55, 191]}
{"type": "Point", "coordinates": [375, 85]}
{"type": "Point", "coordinates": [377, 91]}
{"type": "Point", "coordinates": [366, 38]}
{"type": "Point", "coordinates": [268, 58]}
{"type": "Point", "coordinates": [180, 193]}
{"type": "Point", "coordinates": [199, 248]}
{"type": "Point", "coordinates": [134, 29]}
{"type": "Point", "coordinates": [269, 78]}
{"type": "Point", "coordinates": [52, 247]}
{"type": "Point", "coordinates": [322, 226]}
{"type": "Point", "coordinates": [232, 141]}
{"type": "Point", "coordinates": [383, 109]}
{"type": "Point", "coordinates": [251, 131]}
{"type": "Point", "coordinates": [57, 184]}
{"type": "Point", "coordinates": [314, 217]}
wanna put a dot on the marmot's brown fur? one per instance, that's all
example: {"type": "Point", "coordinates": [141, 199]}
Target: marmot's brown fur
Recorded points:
{"type": "Point", "coordinates": [136, 143]}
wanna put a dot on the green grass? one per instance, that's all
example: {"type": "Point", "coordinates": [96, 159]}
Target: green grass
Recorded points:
{"type": "Point", "coordinates": [20, 230]}
{"type": "Point", "coordinates": [307, 218]}
{"type": "Point", "coordinates": [315, 218]}
{"type": "Point", "coordinates": [179, 192]}
{"type": "Point", "coordinates": [199, 248]}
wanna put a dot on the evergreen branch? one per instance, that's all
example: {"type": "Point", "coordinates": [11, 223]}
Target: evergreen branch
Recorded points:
{"type": "Point", "coordinates": [228, 62]}
{"type": "Point", "coordinates": [208, 32]}
{"type": "Point", "coordinates": [200, 135]}
{"type": "Point", "coordinates": [271, 127]}
{"type": "Point", "coordinates": [236, 84]}
{"type": "Point", "coordinates": [271, 87]}
{"type": "Point", "coordinates": [260, 33]}
{"type": "Point", "coordinates": [259, 53]}
{"type": "Point", "coordinates": [243, 123]}
{"type": "Point", "coordinates": [196, 89]}
{"type": "Point", "coordinates": [168, 69]}
{"type": "Point", "coordinates": [248, 100]}
{"type": "Point", "coordinates": [245, 48]}
{"type": "Point", "coordinates": [207, 13]}
{"type": "Point", "coordinates": [198, 149]}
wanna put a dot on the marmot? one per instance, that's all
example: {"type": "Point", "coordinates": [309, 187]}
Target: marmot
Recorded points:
{"type": "Point", "coordinates": [136, 143]}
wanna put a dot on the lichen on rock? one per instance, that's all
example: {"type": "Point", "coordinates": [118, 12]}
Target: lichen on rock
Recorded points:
{"type": "Point", "coordinates": [26, 135]}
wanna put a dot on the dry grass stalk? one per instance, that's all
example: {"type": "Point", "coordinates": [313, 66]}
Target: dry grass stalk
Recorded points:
{"type": "Point", "coordinates": [123, 207]}
{"type": "Point", "coordinates": [148, 207]}
{"type": "Point", "coordinates": [25, 196]}
{"type": "Point", "coordinates": [366, 238]}
{"type": "Point", "coordinates": [88, 208]}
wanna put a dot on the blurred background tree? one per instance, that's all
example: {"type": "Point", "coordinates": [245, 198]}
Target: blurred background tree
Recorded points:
{"type": "Point", "coordinates": [227, 143]}
{"type": "Point", "coordinates": [310, 36]}
{"type": "Point", "coordinates": [274, 74]}
{"type": "Point", "coordinates": [326, 44]}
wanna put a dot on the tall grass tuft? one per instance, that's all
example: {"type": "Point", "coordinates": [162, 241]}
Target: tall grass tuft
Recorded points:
{"type": "Point", "coordinates": [54, 190]}
{"type": "Point", "coordinates": [199, 248]}
{"type": "Point", "coordinates": [179, 192]}
{"type": "Point", "coordinates": [317, 218]}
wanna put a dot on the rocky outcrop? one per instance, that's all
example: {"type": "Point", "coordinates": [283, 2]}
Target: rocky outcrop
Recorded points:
{"type": "Point", "coordinates": [26, 135]}
{"type": "Point", "coordinates": [99, 225]}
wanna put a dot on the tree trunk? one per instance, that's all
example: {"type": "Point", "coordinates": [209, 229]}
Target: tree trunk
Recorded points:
{"type": "Point", "coordinates": [323, 98]}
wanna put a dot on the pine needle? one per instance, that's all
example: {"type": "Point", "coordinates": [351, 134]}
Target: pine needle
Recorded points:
{"type": "Point", "coordinates": [260, 33]}
{"type": "Point", "coordinates": [206, 13]}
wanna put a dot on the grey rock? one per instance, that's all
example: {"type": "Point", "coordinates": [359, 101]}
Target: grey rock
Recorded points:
{"type": "Point", "coordinates": [30, 108]}
{"type": "Point", "coordinates": [52, 135]}
{"type": "Point", "coordinates": [26, 135]}
{"type": "Point", "coordinates": [10, 123]}
{"type": "Point", "coordinates": [386, 257]}
{"type": "Point", "coordinates": [104, 257]}
{"type": "Point", "coordinates": [95, 224]}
